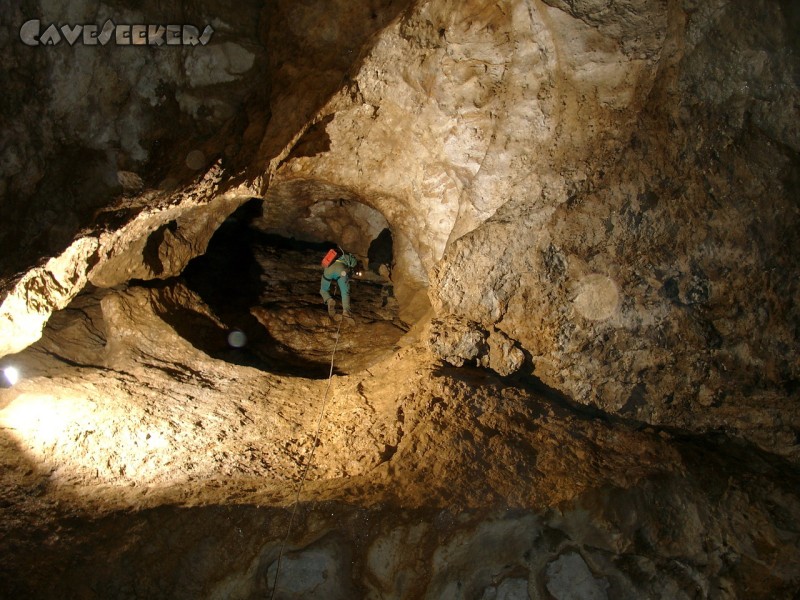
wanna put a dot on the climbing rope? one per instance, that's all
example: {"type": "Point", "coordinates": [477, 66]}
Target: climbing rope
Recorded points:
{"type": "Point", "coordinates": [308, 464]}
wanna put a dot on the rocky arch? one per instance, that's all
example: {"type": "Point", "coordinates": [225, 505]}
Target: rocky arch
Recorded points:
{"type": "Point", "coordinates": [316, 210]}
{"type": "Point", "coordinates": [130, 241]}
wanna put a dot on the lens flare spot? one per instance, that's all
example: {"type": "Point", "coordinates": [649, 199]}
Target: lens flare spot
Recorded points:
{"type": "Point", "coordinates": [195, 160]}
{"type": "Point", "coordinates": [597, 298]}
{"type": "Point", "coordinates": [237, 339]}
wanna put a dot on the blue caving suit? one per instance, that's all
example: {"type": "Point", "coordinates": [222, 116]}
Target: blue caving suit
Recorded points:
{"type": "Point", "coordinates": [338, 271]}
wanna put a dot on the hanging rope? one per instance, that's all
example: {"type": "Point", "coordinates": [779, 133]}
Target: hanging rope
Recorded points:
{"type": "Point", "coordinates": [308, 464]}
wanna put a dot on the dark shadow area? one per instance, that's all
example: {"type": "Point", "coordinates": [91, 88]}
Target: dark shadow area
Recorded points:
{"type": "Point", "coordinates": [694, 445]}
{"type": "Point", "coordinates": [79, 183]}
{"type": "Point", "coordinates": [381, 252]}
{"type": "Point", "coordinates": [193, 549]}
{"type": "Point", "coordinates": [534, 386]}
{"type": "Point", "coordinates": [267, 287]}
{"type": "Point", "coordinates": [229, 278]}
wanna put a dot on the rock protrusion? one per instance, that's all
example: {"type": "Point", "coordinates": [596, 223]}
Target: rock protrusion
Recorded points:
{"type": "Point", "coordinates": [459, 341]}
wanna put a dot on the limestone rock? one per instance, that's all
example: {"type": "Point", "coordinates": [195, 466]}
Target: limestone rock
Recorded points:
{"type": "Point", "coordinates": [318, 570]}
{"type": "Point", "coordinates": [569, 578]}
{"type": "Point", "coordinates": [155, 242]}
{"type": "Point", "coordinates": [159, 244]}
{"type": "Point", "coordinates": [504, 357]}
{"type": "Point", "coordinates": [599, 174]}
{"type": "Point", "coordinates": [92, 123]}
{"type": "Point", "coordinates": [426, 481]}
{"type": "Point", "coordinates": [459, 342]}
{"type": "Point", "coordinates": [638, 266]}
{"type": "Point", "coordinates": [29, 304]}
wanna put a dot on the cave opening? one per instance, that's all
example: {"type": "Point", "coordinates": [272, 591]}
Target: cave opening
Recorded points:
{"type": "Point", "coordinates": [264, 288]}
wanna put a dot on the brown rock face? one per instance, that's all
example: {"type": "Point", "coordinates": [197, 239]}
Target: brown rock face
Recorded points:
{"type": "Point", "coordinates": [140, 449]}
{"type": "Point", "coordinates": [573, 366]}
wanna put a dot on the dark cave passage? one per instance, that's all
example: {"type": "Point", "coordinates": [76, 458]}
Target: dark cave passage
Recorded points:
{"type": "Point", "coordinates": [265, 289]}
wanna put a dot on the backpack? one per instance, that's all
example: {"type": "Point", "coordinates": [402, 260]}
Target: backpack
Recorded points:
{"type": "Point", "coordinates": [331, 256]}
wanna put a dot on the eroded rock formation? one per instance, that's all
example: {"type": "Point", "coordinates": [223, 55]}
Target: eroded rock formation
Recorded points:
{"type": "Point", "coordinates": [576, 376]}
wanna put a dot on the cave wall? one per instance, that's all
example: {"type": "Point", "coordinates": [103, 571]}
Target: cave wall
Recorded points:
{"type": "Point", "coordinates": [609, 190]}
{"type": "Point", "coordinates": [87, 124]}
{"type": "Point", "coordinates": [600, 195]}
{"type": "Point", "coordinates": [613, 187]}
{"type": "Point", "coordinates": [460, 107]}
{"type": "Point", "coordinates": [119, 163]}
{"type": "Point", "coordinates": [663, 287]}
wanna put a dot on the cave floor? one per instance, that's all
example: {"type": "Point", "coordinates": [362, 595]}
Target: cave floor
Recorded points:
{"type": "Point", "coordinates": [139, 464]}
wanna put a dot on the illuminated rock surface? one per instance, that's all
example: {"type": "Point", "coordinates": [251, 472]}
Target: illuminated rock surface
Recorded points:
{"type": "Point", "coordinates": [577, 378]}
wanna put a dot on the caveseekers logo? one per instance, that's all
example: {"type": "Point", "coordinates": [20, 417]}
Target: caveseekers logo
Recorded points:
{"type": "Point", "coordinates": [32, 34]}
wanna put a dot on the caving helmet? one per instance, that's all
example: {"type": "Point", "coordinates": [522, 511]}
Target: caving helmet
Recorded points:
{"type": "Point", "coordinates": [349, 260]}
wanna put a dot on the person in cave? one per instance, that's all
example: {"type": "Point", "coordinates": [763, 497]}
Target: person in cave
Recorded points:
{"type": "Point", "coordinates": [339, 271]}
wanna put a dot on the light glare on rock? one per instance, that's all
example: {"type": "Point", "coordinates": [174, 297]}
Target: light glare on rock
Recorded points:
{"type": "Point", "coordinates": [11, 374]}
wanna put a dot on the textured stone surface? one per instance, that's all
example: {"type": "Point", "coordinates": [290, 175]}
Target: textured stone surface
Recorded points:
{"type": "Point", "coordinates": [569, 578]}
{"type": "Point", "coordinates": [457, 342]}
{"type": "Point", "coordinates": [89, 123]}
{"type": "Point", "coordinates": [154, 242]}
{"type": "Point", "coordinates": [427, 482]}
{"type": "Point", "coordinates": [582, 177]}
{"type": "Point", "coordinates": [654, 264]}
{"type": "Point", "coordinates": [595, 200]}
{"type": "Point", "coordinates": [597, 170]}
